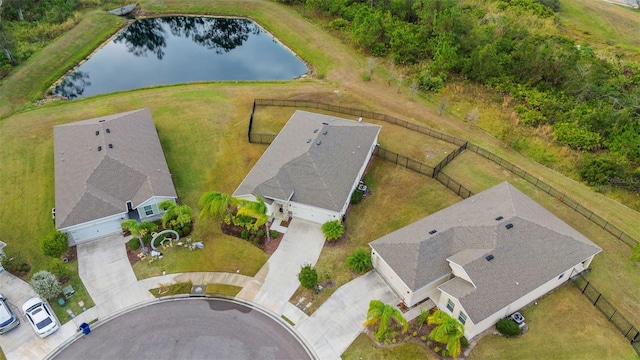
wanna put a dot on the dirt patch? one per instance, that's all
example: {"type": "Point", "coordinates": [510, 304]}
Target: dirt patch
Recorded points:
{"type": "Point", "coordinates": [70, 255]}
{"type": "Point", "coordinates": [132, 255]}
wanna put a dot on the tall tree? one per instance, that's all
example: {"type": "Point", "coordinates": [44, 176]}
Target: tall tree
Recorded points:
{"type": "Point", "coordinates": [447, 331]}
{"type": "Point", "coordinates": [216, 204]}
{"type": "Point", "coordinates": [383, 314]}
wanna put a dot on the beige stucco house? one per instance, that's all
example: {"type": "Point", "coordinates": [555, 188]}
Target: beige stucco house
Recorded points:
{"type": "Point", "coordinates": [312, 167]}
{"type": "Point", "coordinates": [107, 170]}
{"type": "Point", "coordinates": [482, 258]}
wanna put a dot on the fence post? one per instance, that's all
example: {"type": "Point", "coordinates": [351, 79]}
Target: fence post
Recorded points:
{"type": "Point", "coordinates": [585, 288]}
{"type": "Point", "coordinates": [614, 312]}
{"type": "Point", "coordinates": [598, 298]}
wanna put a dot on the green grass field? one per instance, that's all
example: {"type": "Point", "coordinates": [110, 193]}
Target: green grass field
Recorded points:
{"type": "Point", "coordinates": [202, 128]}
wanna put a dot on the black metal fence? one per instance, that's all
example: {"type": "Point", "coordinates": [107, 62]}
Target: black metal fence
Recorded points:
{"type": "Point", "coordinates": [574, 205]}
{"type": "Point", "coordinates": [626, 328]}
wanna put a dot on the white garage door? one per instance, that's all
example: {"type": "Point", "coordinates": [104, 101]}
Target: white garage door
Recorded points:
{"type": "Point", "coordinates": [95, 230]}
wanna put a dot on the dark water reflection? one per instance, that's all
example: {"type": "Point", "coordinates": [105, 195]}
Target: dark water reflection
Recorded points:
{"type": "Point", "coordinates": [182, 49]}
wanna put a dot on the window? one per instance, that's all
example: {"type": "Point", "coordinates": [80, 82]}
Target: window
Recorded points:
{"type": "Point", "coordinates": [462, 317]}
{"type": "Point", "coordinates": [148, 210]}
{"type": "Point", "coordinates": [450, 305]}
{"type": "Point", "coordinates": [561, 276]}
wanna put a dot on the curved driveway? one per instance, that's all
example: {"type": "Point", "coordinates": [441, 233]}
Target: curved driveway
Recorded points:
{"type": "Point", "coordinates": [189, 329]}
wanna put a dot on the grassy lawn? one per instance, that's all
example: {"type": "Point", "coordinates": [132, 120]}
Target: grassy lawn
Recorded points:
{"type": "Point", "coordinates": [562, 326]}
{"type": "Point", "coordinates": [611, 268]}
{"type": "Point", "coordinates": [223, 289]}
{"type": "Point", "coordinates": [404, 195]}
{"type": "Point", "coordinates": [169, 290]}
{"type": "Point", "coordinates": [73, 303]}
{"type": "Point", "coordinates": [364, 348]}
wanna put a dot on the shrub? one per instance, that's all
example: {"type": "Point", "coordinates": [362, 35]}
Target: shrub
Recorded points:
{"type": "Point", "coordinates": [261, 233]}
{"type": "Point", "coordinates": [332, 230]}
{"type": "Point", "coordinates": [16, 264]}
{"type": "Point", "coordinates": [274, 234]}
{"type": "Point", "coordinates": [45, 284]}
{"type": "Point", "coordinates": [338, 24]}
{"type": "Point", "coordinates": [598, 170]}
{"type": "Point", "coordinates": [134, 244]}
{"type": "Point", "coordinates": [508, 327]}
{"type": "Point", "coordinates": [55, 244]}
{"type": "Point", "coordinates": [308, 277]}
{"type": "Point", "coordinates": [423, 338]}
{"type": "Point", "coordinates": [427, 82]}
{"type": "Point", "coordinates": [356, 196]}
{"type": "Point", "coordinates": [464, 342]}
{"type": "Point", "coordinates": [359, 261]}
{"type": "Point", "coordinates": [244, 234]}
{"type": "Point", "coordinates": [59, 269]}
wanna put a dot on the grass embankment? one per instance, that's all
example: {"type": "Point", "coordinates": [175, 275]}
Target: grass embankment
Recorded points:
{"type": "Point", "coordinates": [363, 348]}
{"type": "Point", "coordinates": [562, 326]}
{"type": "Point", "coordinates": [34, 77]}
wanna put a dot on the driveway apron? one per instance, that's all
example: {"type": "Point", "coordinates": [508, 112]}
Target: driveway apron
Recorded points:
{"type": "Point", "coordinates": [106, 273]}
{"type": "Point", "coordinates": [334, 326]}
{"type": "Point", "coordinates": [277, 280]}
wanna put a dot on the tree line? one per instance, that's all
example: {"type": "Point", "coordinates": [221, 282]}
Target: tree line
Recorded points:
{"type": "Point", "coordinates": [591, 101]}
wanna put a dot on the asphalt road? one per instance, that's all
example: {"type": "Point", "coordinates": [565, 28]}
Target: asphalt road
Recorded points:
{"type": "Point", "coordinates": [188, 329]}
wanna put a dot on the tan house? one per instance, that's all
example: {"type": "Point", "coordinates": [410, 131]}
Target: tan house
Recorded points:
{"type": "Point", "coordinates": [312, 167]}
{"type": "Point", "coordinates": [108, 169]}
{"type": "Point", "coordinates": [482, 258]}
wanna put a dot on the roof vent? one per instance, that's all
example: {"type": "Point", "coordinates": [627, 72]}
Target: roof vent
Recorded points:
{"type": "Point", "coordinates": [308, 141]}
{"type": "Point", "coordinates": [315, 131]}
{"type": "Point", "coordinates": [97, 132]}
{"type": "Point", "coordinates": [318, 142]}
{"type": "Point", "coordinates": [110, 146]}
{"type": "Point", "coordinates": [499, 218]}
{"type": "Point", "coordinates": [433, 232]}
{"type": "Point", "coordinates": [108, 131]}
{"type": "Point", "coordinates": [324, 132]}
{"type": "Point", "coordinates": [509, 226]}
{"type": "Point", "coordinates": [99, 148]}
{"type": "Point", "coordinates": [489, 257]}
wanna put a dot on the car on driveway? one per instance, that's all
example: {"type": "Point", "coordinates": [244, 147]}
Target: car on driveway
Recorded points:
{"type": "Point", "coordinates": [8, 320]}
{"type": "Point", "coordinates": [39, 314]}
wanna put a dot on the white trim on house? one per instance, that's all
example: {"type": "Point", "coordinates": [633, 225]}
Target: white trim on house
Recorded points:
{"type": "Point", "coordinates": [155, 211]}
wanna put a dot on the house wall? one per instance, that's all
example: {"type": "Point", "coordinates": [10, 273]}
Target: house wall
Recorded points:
{"type": "Point", "coordinates": [458, 271]}
{"type": "Point", "coordinates": [398, 286]}
{"type": "Point", "coordinates": [93, 229]}
{"type": "Point", "coordinates": [428, 291]}
{"type": "Point", "coordinates": [156, 212]}
{"type": "Point", "coordinates": [312, 213]}
{"type": "Point", "coordinates": [365, 164]}
{"type": "Point", "coordinates": [457, 309]}
{"type": "Point", "coordinates": [472, 329]}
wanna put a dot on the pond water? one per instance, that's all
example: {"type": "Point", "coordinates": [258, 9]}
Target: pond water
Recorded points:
{"type": "Point", "coordinates": [182, 49]}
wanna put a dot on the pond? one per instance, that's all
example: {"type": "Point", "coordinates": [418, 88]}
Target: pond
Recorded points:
{"type": "Point", "coordinates": [180, 49]}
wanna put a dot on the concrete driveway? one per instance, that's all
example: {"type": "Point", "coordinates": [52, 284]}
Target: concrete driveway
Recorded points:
{"type": "Point", "coordinates": [106, 273]}
{"type": "Point", "coordinates": [334, 326]}
{"type": "Point", "coordinates": [277, 280]}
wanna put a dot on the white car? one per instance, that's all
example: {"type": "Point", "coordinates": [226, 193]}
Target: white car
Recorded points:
{"type": "Point", "coordinates": [8, 320]}
{"type": "Point", "coordinates": [40, 316]}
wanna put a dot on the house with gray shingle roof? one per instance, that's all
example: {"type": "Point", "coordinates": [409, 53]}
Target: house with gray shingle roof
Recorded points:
{"type": "Point", "coordinates": [483, 258]}
{"type": "Point", "coordinates": [312, 167]}
{"type": "Point", "coordinates": [107, 170]}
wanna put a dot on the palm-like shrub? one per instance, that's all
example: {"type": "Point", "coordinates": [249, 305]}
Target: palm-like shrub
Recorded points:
{"type": "Point", "coordinates": [332, 230]}
{"type": "Point", "coordinates": [308, 277]}
{"type": "Point", "coordinates": [45, 284]}
{"type": "Point", "coordinates": [359, 261]}
{"type": "Point", "coordinates": [382, 314]}
{"type": "Point", "coordinates": [447, 331]}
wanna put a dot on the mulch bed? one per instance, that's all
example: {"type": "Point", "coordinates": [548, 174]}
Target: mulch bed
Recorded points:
{"type": "Point", "coordinates": [71, 254]}
{"type": "Point", "coordinates": [268, 247]}
{"type": "Point", "coordinates": [132, 255]}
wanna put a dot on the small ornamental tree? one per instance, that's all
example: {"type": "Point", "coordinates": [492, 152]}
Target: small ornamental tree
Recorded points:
{"type": "Point", "coordinates": [359, 261]}
{"type": "Point", "coordinates": [45, 284]}
{"type": "Point", "coordinates": [332, 230]}
{"type": "Point", "coordinates": [55, 244]}
{"type": "Point", "coordinates": [308, 277]}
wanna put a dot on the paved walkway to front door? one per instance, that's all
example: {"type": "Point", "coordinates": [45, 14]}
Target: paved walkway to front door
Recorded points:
{"type": "Point", "coordinates": [277, 280]}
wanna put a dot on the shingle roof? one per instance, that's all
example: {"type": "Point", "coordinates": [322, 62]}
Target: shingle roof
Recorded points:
{"type": "Point", "coordinates": [95, 175]}
{"type": "Point", "coordinates": [536, 249]}
{"type": "Point", "coordinates": [320, 175]}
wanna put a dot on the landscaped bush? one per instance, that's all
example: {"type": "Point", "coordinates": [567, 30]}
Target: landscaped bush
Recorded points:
{"type": "Point", "coordinates": [464, 342]}
{"type": "Point", "coordinates": [134, 244]}
{"type": "Point", "coordinates": [332, 230]}
{"type": "Point", "coordinates": [508, 327]}
{"type": "Point", "coordinates": [16, 264]}
{"type": "Point", "coordinates": [359, 261]}
{"type": "Point", "coordinates": [55, 244]}
{"type": "Point", "coordinates": [357, 196]}
{"type": "Point", "coordinates": [245, 234]}
{"type": "Point", "coordinates": [308, 277]}
{"type": "Point", "coordinates": [274, 234]}
{"type": "Point", "coordinates": [45, 284]}
{"type": "Point", "coordinates": [59, 269]}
